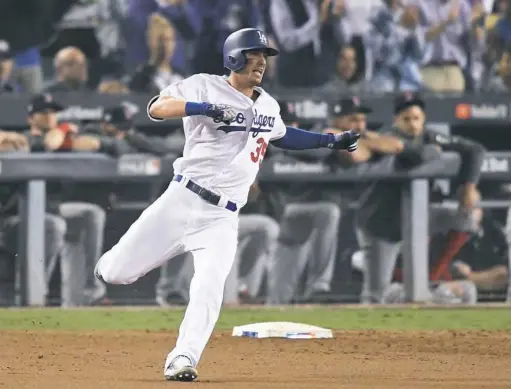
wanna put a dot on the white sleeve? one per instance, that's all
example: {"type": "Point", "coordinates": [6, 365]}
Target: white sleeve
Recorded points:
{"type": "Point", "coordinates": [279, 130]}
{"type": "Point", "coordinates": [190, 89]}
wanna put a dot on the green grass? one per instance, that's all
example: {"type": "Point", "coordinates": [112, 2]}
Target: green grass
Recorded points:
{"type": "Point", "coordinates": [334, 318]}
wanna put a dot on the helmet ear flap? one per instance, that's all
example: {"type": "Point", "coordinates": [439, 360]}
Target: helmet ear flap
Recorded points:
{"type": "Point", "coordinates": [237, 61]}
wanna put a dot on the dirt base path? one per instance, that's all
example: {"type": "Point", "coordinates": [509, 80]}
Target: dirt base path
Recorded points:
{"type": "Point", "coordinates": [363, 359]}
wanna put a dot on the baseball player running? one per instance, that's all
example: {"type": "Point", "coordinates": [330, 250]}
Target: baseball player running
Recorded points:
{"type": "Point", "coordinates": [228, 123]}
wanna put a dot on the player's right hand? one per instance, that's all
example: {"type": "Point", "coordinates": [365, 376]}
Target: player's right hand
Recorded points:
{"type": "Point", "coordinates": [220, 112]}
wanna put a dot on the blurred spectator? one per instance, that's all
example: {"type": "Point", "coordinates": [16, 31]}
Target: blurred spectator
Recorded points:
{"type": "Point", "coordinates": [355, 17]}
{"type": "Point", "coordinates": [347, 78]}
{"type": "Point", "coordinates": [499, 34]}
{"type": "Point", "coordinates": [85, 221]}
{"type": "Point", "coordinates": [28, 71]}
{"type": "Point", "coordinates": [449, 35]}
{"type": "Point", "coordinates": [500, 75]}
{"type": "Point", "coordinates": [78, 28]}
{"type": "Point", "coordinates": [71, 71]}
{"type": "Point", "coordinates": [29, 23]}
{"type": "Point", "coordinates": [216, 20]}
{"type": "Point", "coordinates": [395, 47]}
{"type": "Point", "coordinates": [112, 27]}
{"type": "Point", "coordinates": [307, 33]}
{"type": "Point", "coordinates": [183, 16]}
{"type": "Point", "coordinates": [112, 87]}
{"type": "Point", "coordinates": [158, 73]}
{"type": "Point", "coordinates": [97, 28]}
{"type": "Point", "coordinates": [6, 64]}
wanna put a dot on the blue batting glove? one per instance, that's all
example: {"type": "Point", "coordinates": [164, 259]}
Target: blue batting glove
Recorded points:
{"type": "Point", "coordinates": [348, 140]}
{"type": "Point", "coordinates": [220, 113]}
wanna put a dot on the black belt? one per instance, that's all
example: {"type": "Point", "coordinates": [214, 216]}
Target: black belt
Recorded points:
{"type": "Point", "coordinates": [205, 194]}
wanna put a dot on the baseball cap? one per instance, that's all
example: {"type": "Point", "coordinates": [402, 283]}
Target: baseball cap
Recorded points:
{"type": "Point", "coordinates": [41, 103]}
{"type": "Point", "coordinates": [407, 99]}
{"type": "Point", "coordinates": [287, 112]}
{"type": "Point", "coordinates": [5, 50]}
{"type": "Point", "coordinates": [348, 106]}
{"type": "Point", "coordinates": [116, 115]}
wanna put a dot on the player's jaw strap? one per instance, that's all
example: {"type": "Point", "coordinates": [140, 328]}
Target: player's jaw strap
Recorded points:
{"type": "Point", "coordinates": [206, 194]}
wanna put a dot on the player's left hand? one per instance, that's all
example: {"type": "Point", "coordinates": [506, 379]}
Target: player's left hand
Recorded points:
{"type": "Point", "coordinates": [347, 140]}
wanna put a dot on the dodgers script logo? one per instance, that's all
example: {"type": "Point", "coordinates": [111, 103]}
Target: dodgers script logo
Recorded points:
{"type": "Point", "coordinates": [260, 123]}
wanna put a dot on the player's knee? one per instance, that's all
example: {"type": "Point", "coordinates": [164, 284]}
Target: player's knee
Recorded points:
{"type": "Point", "coordinates": [94, 213]}
{"type": "Point", "coordinates": [114, 274]}
{"type": "Point", "coordinates": [55, 225]}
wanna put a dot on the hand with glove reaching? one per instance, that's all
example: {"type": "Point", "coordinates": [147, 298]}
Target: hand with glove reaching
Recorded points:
{"type": "Point", "coordinates": [347, 140]}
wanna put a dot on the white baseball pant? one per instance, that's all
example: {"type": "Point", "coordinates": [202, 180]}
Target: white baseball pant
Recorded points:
{"type": "Point", "coordinates": [180, 221]}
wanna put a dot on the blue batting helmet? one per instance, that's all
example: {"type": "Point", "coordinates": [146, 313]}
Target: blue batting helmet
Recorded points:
{"type": "Point", "coordinates": [241, 41]}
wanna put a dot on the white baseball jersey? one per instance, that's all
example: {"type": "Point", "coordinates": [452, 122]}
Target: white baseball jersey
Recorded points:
{"type": "Point", "coordinates": [225, 158]}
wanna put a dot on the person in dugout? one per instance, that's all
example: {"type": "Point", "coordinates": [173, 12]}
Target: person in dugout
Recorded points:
{"type": "Point", "coordinates": [117, 136]}
{"type": "Point", "coordinates": [378, 218]}
{"type": "Point", "coordinates": [479, 271]}
{"type": "Point", "coordinates": [84, 222]}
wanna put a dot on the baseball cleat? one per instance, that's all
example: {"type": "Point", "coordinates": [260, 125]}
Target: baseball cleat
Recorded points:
{"type": "Point", "coordinates": [180, 369]}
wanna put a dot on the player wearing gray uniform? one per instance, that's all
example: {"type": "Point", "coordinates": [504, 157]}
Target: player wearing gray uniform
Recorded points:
{"type": "Point", "coordinates": [508, 236]}
{"type": "Point", "coordinates": [309, 227]}
{"type": "Point", "coordinates": [378, 218]}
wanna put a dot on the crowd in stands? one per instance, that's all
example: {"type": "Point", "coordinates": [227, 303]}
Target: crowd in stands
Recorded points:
{"type": "Point", "coordinates": [343, 49]}
{"type": "Point", "coordinates": [332, 46]}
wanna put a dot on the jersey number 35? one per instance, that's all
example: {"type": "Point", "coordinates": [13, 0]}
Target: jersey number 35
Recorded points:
{"type": "Point", "coordinates": [258, 154]}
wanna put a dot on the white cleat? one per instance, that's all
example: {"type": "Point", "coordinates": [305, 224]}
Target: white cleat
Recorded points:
{"type": "Point", "coordinates": [180, 368]}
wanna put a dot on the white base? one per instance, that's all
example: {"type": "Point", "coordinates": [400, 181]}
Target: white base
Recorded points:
{"type": "Point", "coordinates": [286, 330]}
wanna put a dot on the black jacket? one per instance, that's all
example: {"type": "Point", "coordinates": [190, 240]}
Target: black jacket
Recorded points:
{"type": "Point", "coordinates": [380, 206]}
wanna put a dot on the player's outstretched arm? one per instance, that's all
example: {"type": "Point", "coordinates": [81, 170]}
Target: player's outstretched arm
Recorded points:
{"type": "Point", "coordinates": [296, 139]}
{"type": "Point", "coordinates": [168, 107]}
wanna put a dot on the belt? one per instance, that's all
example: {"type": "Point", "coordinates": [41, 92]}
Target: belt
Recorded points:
{"type": "Point", "coordinates": [205, 194]}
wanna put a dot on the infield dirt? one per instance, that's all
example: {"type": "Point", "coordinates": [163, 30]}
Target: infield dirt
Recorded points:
{"type": "Point", "coordinates": [354, 359]}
